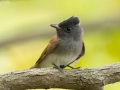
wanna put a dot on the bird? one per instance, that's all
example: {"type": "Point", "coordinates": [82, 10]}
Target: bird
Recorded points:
{"type": "Point", "coordinates": [65, 48]}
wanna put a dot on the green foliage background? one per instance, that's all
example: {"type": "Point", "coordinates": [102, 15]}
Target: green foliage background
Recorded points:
{"type": "Point", "coordinates": [25, 31]}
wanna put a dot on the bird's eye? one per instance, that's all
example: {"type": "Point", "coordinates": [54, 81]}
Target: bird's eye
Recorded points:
{"type": "Point", "coordinates": [68, 29]}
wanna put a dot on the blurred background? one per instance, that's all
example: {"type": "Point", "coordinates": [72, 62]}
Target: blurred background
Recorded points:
{"type": "Point", "coordinates": [25, 31]}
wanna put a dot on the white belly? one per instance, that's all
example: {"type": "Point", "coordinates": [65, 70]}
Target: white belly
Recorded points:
{"type": "Point", "coordinates": [58, 60]}
{"type": "Point", "coordinates": [62, 58]}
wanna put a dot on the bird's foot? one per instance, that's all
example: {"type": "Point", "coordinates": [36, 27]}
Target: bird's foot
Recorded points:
{"type": "Point", "coordinates": [58, 67]}
{"type": "Point", "coordinates": [73, 67]}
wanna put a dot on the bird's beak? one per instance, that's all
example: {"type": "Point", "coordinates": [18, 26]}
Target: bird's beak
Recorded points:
{"type": "Point", "coordinates": [55, 26]}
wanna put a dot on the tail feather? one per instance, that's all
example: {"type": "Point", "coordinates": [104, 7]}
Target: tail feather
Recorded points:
{"type": "Point", "coordinates": [32, 67]}
{"type": "Point", "coordinates": [35, 66]}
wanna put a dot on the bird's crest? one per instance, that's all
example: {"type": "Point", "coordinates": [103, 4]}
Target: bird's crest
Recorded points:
{"type": "Point", "coordinates": [71, 21]}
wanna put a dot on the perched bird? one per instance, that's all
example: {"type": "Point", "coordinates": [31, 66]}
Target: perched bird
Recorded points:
{"type": "Point", "coordinates": [65, 47]}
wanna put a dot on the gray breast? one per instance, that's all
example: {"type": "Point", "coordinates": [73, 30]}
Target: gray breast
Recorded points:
{"type": "Point", "coordinates": [67, 51]}
{"type": "Point", "coordinates": [67, 47]}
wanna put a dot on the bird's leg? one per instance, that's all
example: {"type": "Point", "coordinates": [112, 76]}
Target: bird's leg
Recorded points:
{"type": "Point", "coordinates": [68, 65]}
{"type": "Point", "coordinates": [58, 67]}
{"type": "Point", "coordinates": [72, 67]}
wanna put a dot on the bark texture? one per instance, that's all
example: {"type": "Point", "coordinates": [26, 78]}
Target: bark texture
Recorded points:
{"type": "Point", "coordinates": [79, 79]}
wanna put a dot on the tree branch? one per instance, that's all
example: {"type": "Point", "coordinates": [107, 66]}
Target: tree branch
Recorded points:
{"type": "Point", "coordinates": [79, 79]}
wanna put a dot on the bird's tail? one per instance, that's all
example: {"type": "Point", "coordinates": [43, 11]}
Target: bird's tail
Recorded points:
{"type": "Point", "coordinates": [35, 66]}
{"type": "Point", "coordinates": [32, 67]}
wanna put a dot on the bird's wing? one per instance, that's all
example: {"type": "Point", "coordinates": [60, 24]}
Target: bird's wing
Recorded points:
{"type": "Point", "coordinates": [49, 49]}
{"type": "Point", "coordinates": [82, 52]}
